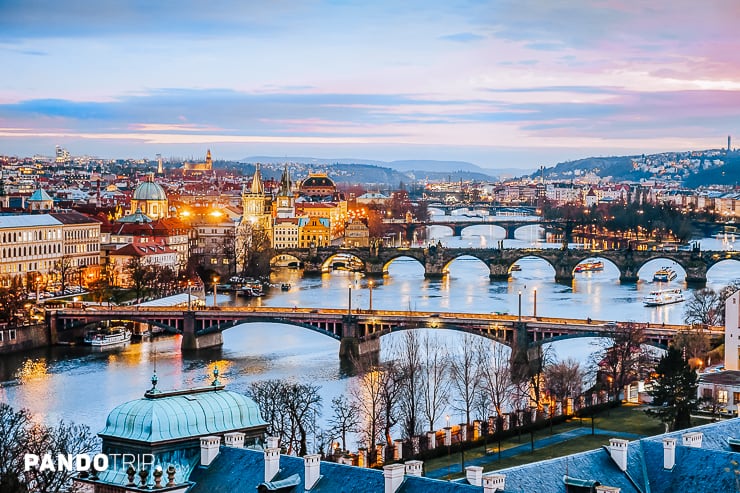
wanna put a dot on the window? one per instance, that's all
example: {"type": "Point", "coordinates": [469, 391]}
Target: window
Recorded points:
{"type": "Point", "coordinates": [736, 398]}
{"type": "Point", "coordinates": [706, 393]}
{"type": "Point", "coordinates": [1, 336]}
{"type": "Point", "coordinates": [722, 396]}
{"type": "Point", "coordinates": [214, 261]}
{"type": "Point", "coordinates": [11, 335]}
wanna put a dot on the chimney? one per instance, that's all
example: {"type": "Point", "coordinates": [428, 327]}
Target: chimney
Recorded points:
{"type": "Point", "coordinates": [692, 439]}
{"type": "Point", "coordinates": [618, 451]}
{"type": "Point", "coordinates": [312, 465]}
{"type": "Point", "coordinates": [393, 474]}
{"type": "Point", "coordinates": [474, 475]}
{"type": "Point", "coordinates": [414, 467]}
{"type": "Point", "coordinates": [493, 483]}
{"type": "Point", "coordinates": [271, 442]}
{"type": "Point", "coordinates": [607, 489]}
{"type": "Point", "coordinates": [272, 463]}
{"type": "Point", "coordinates": [234, 439]}
{"type": "Point", "coordinates": [209, 449]}
{"type": "Point", "coordinates": [669, 453]}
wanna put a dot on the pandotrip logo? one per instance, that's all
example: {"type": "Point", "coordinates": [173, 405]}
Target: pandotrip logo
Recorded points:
{"type": "Point", "coordinates": [77, 463]}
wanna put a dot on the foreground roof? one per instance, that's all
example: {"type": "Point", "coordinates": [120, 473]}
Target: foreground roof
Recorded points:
{"type": "Point", "coordinates": [177, 415]}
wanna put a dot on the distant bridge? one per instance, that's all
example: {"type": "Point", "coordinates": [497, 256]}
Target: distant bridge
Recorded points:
{"type": "Point", "coordinates": [436, 260]}
{"type": "Point", "coordinates": [359, 332]}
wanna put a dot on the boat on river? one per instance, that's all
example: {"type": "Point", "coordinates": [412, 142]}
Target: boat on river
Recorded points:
{"type": "Point", "coordinates": [590, 266]}
{"type": "Point", "coordinates": [664, 274]}
{"type": "Point", "coordinates": [664, 297]}
{"type": "Point", "coordinates": [116, 335]}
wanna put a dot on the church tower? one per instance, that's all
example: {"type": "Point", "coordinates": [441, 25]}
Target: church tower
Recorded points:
{"type": "Point", "coordinates": [285, 199]}
{"type": "Point", "coordinates": [209, 161]}
{"type": "Point", "coordinates": [256, 206]}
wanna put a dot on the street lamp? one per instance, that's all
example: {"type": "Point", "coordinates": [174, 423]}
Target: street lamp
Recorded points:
{"type": "Point", "coordinates": [349, 299]}
{"type": "Point", "coordinates": [370, 285]}
{"type": "Point", "coordinates": [190, 285]}
{"type": "Point", "coordinates": [520, 307]}
{"type": "Point", "coordinates": [215, 283]}
{"type": "Point", "coordinates": [448, 439]}
{"type": "Point", "coordinates": [535, 303]}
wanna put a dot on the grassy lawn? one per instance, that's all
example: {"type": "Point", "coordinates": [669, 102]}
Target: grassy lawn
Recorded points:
{"type": "Point", "coordinates": [628, 418]}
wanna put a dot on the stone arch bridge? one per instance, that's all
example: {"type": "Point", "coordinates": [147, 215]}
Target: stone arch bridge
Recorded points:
{"type": "Point", "coordinates": [436, 260]}
{"type": "Point", "coordinates": [358, 332]}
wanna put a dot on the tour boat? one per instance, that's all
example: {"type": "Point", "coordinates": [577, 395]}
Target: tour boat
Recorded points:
{"type": "Point", "coordinates": [116, 335]}
{"type": "Point", "coordinates": [664, 297]}
{"type": "Point", "coordinates": [664, 274]}
{"type": "Point", "coordinates": [285, 286]}
{"type": "Point", "coordinates": [590, 266]}
{"type": "Point", "coordinates": [516, 267]}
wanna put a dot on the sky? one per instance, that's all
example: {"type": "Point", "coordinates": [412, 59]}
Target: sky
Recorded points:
{"type": "Point", "coordinates": [517, 83]}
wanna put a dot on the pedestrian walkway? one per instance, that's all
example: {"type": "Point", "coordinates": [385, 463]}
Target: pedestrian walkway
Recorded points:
{"type": "Point", "coordinates": [526, 448]}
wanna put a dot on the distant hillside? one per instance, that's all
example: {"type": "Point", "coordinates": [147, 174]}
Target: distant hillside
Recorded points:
{"type": "Point", "coordinates": [375, 172]}
{"type": "Point", "coordinates": [618, 167]}
{"type": "Point", "coordinates": [729, 174]}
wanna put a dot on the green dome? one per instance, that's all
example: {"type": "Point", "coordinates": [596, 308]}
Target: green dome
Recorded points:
{"type": "Point", "coordinates": [177, 415]}
{"type": "Point", "coordinates": [149, 191]}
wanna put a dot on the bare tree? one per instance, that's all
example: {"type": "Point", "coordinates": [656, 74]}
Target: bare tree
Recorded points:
{"type": "Point", "coordinates": [564, 378]}
{"type": "Point", "coordinates": [496, 376]}
{"type": "Point", "coordinates": [19, 435]}
{"type": "Point", "coordinates": [622, 356]}
{"type": "Point", "coordinates": [253, 251]}
{"type": "Point", "coordinates": [290, 409]}
{"type": "Point", "coordinates": [392, 384]}
{"type": "Point", "coordinates": [367, 396]}
{"type": "Point", "coordinates": [704, 308]}
{"type": "Point", "coordinates": [65, 271]}
{"type": "Point", "coordinates": [435, 384]}
{"type": "Point", "coordinates": [407, 357]}
{"type": "Point", "coordinates": [465, 373]}
{"type": "Point", "coordinates": [12, 299]}
{"type": "Point", "coordinates": [345, 418]}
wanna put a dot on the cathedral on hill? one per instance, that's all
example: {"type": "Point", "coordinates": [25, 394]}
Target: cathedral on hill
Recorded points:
{"type": "Point", "coordinates": [206, 166]}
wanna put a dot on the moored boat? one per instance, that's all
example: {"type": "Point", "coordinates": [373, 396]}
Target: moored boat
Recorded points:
{"type": "Point", "coordinates": [664, 297]}
{"type": "Point", "coordinates": [664, 274]}
{"type": "Point", "coordinates": [590, 266]}
{"type": "Point", "coordinates": [115, 335]}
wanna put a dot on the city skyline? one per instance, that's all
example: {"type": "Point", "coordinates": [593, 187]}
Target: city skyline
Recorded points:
{"type": "Point", "coordinates": [500, 84]}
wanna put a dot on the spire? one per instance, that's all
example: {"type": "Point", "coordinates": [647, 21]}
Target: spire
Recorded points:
{"type": "Point", "coordinates": [285, 183]}
{"type": "Point", "coordinates": [257, 186]}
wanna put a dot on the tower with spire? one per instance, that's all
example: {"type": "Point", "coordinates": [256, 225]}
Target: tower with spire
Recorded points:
{"type": "Point", "coordinates": [285, 200]}
{"type": "Point", "coordinates": [256, 205]}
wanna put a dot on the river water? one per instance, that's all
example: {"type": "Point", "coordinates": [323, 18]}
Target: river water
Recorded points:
{"type": "Point", "coordinates": [82, 385]}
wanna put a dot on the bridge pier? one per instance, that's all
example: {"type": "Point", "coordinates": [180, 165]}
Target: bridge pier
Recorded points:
{"type": "Point", "coordinates": [355, 350]}
{"type": "Point", "coordinates": [190, 340]}
{"type": "Point", "coordinates": [375, 269]}
{"type": "Point", "coordinates": [498, 271]}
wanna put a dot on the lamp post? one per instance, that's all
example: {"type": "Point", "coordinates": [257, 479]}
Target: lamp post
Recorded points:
{"type": "Point", "coordinates": [535, 303]}
{"type": "Point", "coordinates": [520, 307]}
{"type": "Point", "coordinates": [370, 285]}
{"type": "Point", "coordinates": [349, 299]}
{"type": "Point", "coordinates": [215, 283]}
{"type": "Point", "coordinates": [448, 439]}
{"type": "Point", "coordinates": [190, 285]}
{"type": "Point", "coordinates": [38, 288]}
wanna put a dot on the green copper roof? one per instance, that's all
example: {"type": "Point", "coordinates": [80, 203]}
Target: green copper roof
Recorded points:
{"type": "Point", "coordinates": [166, 416]}
{"type": "Point", "coordinates": [149, 190]}
{"type": "Point", "coordinates": [39, 195]}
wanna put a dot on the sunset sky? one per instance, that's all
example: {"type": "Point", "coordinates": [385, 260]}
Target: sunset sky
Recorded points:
{"type": "Point", "coordinates": [498, 83]}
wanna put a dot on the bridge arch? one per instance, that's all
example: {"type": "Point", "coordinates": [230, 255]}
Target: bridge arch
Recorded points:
{"type": "Point", "coordinates": [431, 227]}
{"type": "Point", "coordinates": [465, 256]}
{"type": "Point", "coordinates": [401, 255]}
{"type": "Point", "coordinates": [528, 232]}
{"type": "Point", "coordinates": [493, 231]}
{"type": "Point", "coordinates": [608, 264]}
{"type": "Point", "coordinates": [285, 260]}
{"type": "Point", "coordinates": [647, 269]}
{"type": "Point", "coordinates": [269, 320]}
{"type": "Point", "coordinates": [724, 264]}
{"type": "Point", "coordinates": [344, 259]}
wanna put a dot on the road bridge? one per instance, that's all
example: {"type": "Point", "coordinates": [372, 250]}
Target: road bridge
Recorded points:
{"type": "Point", "coordinates": [358, 331]}
{"type": "Point", "coordinates": [436, 260]}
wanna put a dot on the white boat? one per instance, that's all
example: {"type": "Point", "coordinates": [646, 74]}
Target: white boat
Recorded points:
{"type": "Point", "coordinates": [664, 297]}
{"type": "Point", "coordinates": [116, 335]}
{"type": "Point", "coordinates": [664, 274]}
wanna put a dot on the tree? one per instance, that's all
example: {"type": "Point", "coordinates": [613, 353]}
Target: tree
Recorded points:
{"type": "Point", "coordinates": [465, 373]}
{"type": "Point", "coordinates": [20, 435]}
{"type": "Point", "coordinates": [140, 275]}
{"type": "Point", "coordinates": [622, 357]}
{"type": "Point", "coordinates": [65, 271]}
{"type": "Point", "coordinates": [434, 382]}
{"type": "Point", "coordinates": [290, 410]}
{"type": "Point", "coordinates": [704, 308]}
{"type": "Point", "coordinates": [564, 379]}
{"type": "Point", "coordinates": [12, 300]}
{"type": "Point", "coordinates": [408, 358]}
{"type": "Point", "coordinates": [496, 376]}
{"type": "Point", "coordinates": [254, 251]}
{"type": "Point", "coordinates": [345, 418]}
{"type": "Point", "coordinates": [674, 391]}
{"type": "Point", "coordinates": [693, 342]}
